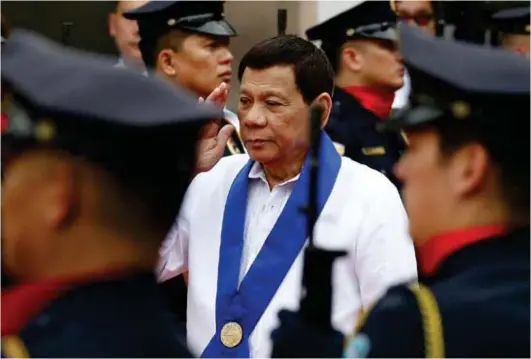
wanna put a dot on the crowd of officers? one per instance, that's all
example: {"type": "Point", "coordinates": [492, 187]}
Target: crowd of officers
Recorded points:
{"type": "Point", "coordinates": [462, 89]}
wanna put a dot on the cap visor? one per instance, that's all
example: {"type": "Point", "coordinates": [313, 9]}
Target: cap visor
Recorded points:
{"type": "Point", "coordinates": [410, 118]}
{"type": "Point", "coordinates": [216, 28]}
{"type": "Point", "coordinates": [388, 34]}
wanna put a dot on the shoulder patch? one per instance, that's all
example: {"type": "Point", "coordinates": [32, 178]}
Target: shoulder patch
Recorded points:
{"type": "Point", "coordinates": [13, 347]}
{"type": "Point", "coordinates": [339, 148]}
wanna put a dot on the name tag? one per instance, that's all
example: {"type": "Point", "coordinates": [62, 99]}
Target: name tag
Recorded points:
{"type": "Point", "coordinates": [373, 151]}
{"type": "Point", "coordinates": [339, 148]}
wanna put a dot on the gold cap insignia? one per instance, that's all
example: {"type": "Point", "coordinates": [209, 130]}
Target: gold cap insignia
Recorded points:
{"type": "Point", "coordinates": [172, 22]}
{"type": "Point", "coordinates": [527, 28]}
{"type": "Point", "coordinates": [231, 334]}
{"type": "Point", "coordinates": [460, 110]}
{"type": "Point", "coordinates": [350, 32]}
{"type": "Point", "coordinates": [44, 131]}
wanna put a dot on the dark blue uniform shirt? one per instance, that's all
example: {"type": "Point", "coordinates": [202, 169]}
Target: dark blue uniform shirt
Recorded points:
{"type": "Point", "coordinates": [353, 129]}
{"type": "Point", "coordinates": [116, 318]}
{"type": "Point", "coordinates": [482, 293]}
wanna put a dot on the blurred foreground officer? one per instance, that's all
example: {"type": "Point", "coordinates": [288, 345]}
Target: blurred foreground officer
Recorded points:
{"type": "Point", "coordinates": [85, 205]}
{"type": "Point", "coordinates": [466, 191]}
{"type": "Point", "coordinates": [361, 44]}
{"type": "Point", "coordinates": [513, 25]}
{"type": "Point", "coordinates": [187, 43]}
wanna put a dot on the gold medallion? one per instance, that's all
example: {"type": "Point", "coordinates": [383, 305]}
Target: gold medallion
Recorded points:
{"type": "Point", "coordinates": [231, 334]}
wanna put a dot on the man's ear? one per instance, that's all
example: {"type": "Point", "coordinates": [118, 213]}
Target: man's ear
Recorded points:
{"type": "Point", "coordinates": [469, 170]}
{"type": "Point", "coordinates": [325, 101]}
{"type": "Point", "coordinates": [166, 62]}
{"type": "Point", "coordinates": [110, 23]}
{"type": "Point", "coordinates": [351, 56]}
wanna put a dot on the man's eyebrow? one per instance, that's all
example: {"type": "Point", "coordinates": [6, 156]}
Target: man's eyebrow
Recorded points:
{"type": "Point", "coordinates": [267, 93]}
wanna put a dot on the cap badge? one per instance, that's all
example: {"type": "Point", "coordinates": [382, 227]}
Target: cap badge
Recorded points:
{"type": "Point", "coordinates": [44, 130]}
{"type": "Point", "coordinates": [460, 110]}
{"type": "Point", "coordinates": [350, 32]}
{"type": "Point", "coordinates": [172, 22]}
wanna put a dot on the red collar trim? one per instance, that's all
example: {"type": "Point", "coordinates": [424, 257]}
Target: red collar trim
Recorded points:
{"type": "Point", "coordinates": [437, 249]}
{"type": "Point", "coordinates": [4, 121]}
{"type": "Point", "coordinates": [24, 301]}
{"type": "Point", "coordinates": [376, 101]}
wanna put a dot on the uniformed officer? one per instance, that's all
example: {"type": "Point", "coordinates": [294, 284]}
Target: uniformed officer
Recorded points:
{"type": "Point", "coordinates": [513, 27]}
{"type": "Point", "coordinates": [187, 42]}
{"type": "Point", "coordinates": [466, 190]}
{"type": "Point", "coordinates": [96, 162]}
{"type": "Point", "coordinates": [361, 44]}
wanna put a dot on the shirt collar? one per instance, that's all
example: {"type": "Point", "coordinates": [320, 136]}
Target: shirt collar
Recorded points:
{"type": "Point", "coordinates": [257, 172]}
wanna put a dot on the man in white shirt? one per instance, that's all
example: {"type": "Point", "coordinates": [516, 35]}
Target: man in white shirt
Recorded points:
{"type": "Point", "coordinates": [240, 232]}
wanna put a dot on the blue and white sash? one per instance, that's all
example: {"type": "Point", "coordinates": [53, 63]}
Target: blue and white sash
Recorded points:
{"type": "Point", "coordinates": [246, 304]}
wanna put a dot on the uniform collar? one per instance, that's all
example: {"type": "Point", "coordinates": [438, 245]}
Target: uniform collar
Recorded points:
{"type": "Point", "coordinates": [434, 252]}
{"type": "Point", "coordinates": [373, 100]}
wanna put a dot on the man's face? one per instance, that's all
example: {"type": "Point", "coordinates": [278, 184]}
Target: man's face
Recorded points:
{"type": "Point", "coordinates": [28, 194]}
{"type": "Point", "coordinates": [380, 64]}
{"type": "Point", "coordinates": [418, 13]}
{"type": "Point", "coordinates": [125, 32]}
{"type": "Point", "coordinates": [426, 187]}
{"type": "Point", "coordinates": [203, 63]}
{"type": "Point", "coordinates": [273, 115]}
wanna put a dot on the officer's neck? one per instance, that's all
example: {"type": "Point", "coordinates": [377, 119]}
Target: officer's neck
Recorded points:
{"type": "Point", "coordinates": [470, 213]}
{"type": "Point", "coordinates": [348, 79]}
{"type": "Point", "coordinates": [93, 250]}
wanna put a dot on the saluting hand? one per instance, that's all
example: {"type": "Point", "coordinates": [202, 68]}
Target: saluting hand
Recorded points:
{"type": "Point", "coordinates": [212, 140]}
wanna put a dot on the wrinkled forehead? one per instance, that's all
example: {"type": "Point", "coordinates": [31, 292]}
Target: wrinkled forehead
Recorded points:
{"type": "Point", "coordinates": [275, 80]}
{"type": "Point", "coordinates": [412, 8]}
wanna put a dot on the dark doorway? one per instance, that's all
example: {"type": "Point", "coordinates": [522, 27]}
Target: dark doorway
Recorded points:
{"type": "Point", "coordinates": [82, 24]}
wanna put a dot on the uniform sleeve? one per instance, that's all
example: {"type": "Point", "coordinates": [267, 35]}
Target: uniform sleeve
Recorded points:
{"type": "Point", "coordinates": [393, 328]}
{"type": "Point", "coordinates": [174, 250]}
{"type": "Point", "coordinates": [384, 254]}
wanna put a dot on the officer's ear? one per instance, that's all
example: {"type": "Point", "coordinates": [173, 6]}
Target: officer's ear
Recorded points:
{"type": "Point", "coordinates": [325, 101]}
{"type": "Point", "coordinates": [351, 56]}
{"type": "Point", "coordinates": [166, 62]}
